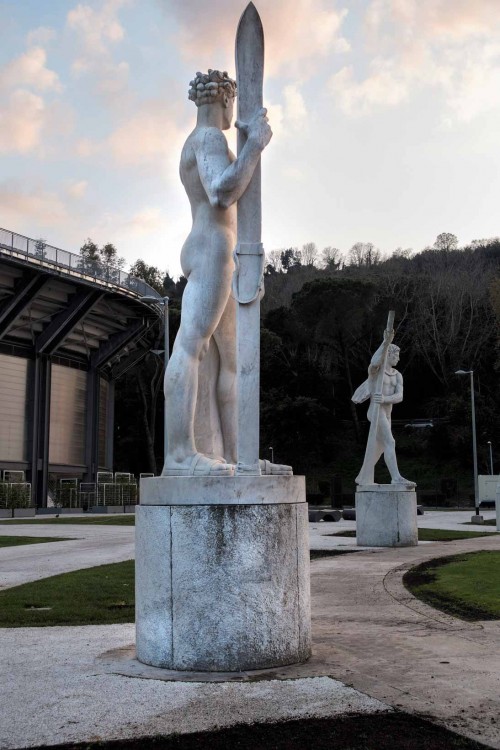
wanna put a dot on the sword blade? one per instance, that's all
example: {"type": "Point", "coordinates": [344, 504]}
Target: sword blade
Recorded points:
{"type": "Point", "coordinates": [250, 77]}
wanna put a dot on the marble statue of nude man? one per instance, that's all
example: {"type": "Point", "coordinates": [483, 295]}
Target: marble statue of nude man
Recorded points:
{"type": "Point", "coordinates": [392, 393]}
{"type": "Point", "coordinates": [214, 180]}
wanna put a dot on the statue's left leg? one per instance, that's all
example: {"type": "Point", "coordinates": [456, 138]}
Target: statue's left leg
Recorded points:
{"type": "Point", "coordinates": [385, 432]}
{"type": "Point", "coordinates": [225, 338]}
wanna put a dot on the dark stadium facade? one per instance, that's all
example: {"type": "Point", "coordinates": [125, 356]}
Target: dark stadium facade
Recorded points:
{"type": "Point", "coordinates": [68, 328]}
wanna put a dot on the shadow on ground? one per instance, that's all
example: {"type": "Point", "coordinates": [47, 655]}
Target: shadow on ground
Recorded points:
{"type": "Point", "coordinates": [384, 731]}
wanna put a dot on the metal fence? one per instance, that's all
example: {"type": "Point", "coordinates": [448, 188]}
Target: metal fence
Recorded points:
{"type": "Point", "coordinates": [15, 495]}
{"type": "Point", "coordinates": [47, 256]}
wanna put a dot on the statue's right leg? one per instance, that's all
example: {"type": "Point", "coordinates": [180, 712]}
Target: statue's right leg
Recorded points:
{"type": "Point", "coordinates": [202, 307]}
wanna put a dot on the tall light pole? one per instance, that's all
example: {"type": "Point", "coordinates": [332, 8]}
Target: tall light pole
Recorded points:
{"type": "Point", "coordinates": [491, 457]}
{"type": "Point", "coordinates": [163, 301]}
{"type": "Point", "coordinates": [477, 517]}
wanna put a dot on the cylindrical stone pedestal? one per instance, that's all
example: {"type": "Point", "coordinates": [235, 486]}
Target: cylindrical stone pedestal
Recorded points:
{"type": "Point", "coordinates": [386, 516]}
{"type": "Point", "coordinates": [222, 573]}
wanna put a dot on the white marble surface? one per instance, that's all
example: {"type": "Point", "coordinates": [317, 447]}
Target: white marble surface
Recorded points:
{"type": "Point", "coordinates": [386, 516]}
{"type": "Point", "coordinates": [238, 490]}
{"type": "Point", "coordinates": [384, 388]}
{"type": "Point", "coordinates": [223, 587]}
{"type": "Point", "coordinates": [201, 399]}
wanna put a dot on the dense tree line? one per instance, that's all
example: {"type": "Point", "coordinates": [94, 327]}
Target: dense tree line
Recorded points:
{"type": "Point", "coordinates": [322, 318]}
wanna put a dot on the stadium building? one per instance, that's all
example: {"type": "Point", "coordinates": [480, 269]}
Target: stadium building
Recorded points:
{"type": "Point", "coordinates": [68, 328]}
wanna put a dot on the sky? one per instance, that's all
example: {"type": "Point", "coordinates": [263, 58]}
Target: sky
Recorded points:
{"type": "Point", "coordinates": [385, 116]}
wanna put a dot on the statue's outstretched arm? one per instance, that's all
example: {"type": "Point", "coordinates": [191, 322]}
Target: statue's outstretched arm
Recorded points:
{"type": "Point", "coordinates": [225, 182]}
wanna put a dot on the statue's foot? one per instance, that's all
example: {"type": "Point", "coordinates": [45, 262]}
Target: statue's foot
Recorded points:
{"type": "Point", "coordinates": [402, 480]}
{"type": "Point", "coordinates": [363, 481]}
{"type": "Point", "coordinates": [268, 468]}
{"type": "Point", "coordinates": [198, 465]}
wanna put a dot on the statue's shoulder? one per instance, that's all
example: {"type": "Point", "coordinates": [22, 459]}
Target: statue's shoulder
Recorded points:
{"type": "Point", "coordinates": [208, 138]}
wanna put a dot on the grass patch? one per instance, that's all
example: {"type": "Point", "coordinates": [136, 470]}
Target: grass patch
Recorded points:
{"type": "Point", "coordinates": [102, 595]}
{"type": "Point", "coordinates": [466, 586]}
{"type": "Point", "coordinates": [433, 535]}
{"type": "Point", "coordinates": [128, 520]}
{"type": "Point", "coordinates": [17, 541]}
{"type": "Point", "coordinates": [383, 731]}
{"type": "Point", "coordinates": [488, 522]}
{"type": "Point", "coordinates": [94, 596]}
{"type": "Point", "coordinates": [316, 554]}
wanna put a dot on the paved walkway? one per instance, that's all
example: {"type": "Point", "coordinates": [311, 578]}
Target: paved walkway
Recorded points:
{"type": "Point", "coordinates": [68, 684]}
{"type": "Point", "coordinates": [87, 546]}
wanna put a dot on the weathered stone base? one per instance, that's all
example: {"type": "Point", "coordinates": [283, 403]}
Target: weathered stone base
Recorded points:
{"type": "Point", "coordinates": [222, 587]}
{"type": "Point", "coordinates": [386, 516]}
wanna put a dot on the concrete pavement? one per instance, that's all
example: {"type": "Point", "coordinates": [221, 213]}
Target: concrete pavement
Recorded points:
{"type": "Point", "coordinates": [73, 684]}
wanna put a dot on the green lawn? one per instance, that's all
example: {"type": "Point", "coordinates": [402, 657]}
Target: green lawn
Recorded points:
{"type": "Point", "coordinates": [466, 586]}
{"type": "Point", "coordinates": [433, 535]}
{"type": "Point", "coordinates": [16, 541]}
{"type": "Point", "coordinates": [94, 596]}
{"type": "Point", "coordinates": [112, 520]}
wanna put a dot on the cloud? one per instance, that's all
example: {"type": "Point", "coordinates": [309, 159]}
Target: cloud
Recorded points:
{"type": "Point", "coordinates": [30, 70]}
{"type": "Point", "coordinates": [77, 189]}
{"type": "Point", "coordinates": [295, 106]}
{"type": "Point", "coordinates": [35, 205]}
{"type": "Point", "coordinates": [426, 44]}
{"type": "Point", "coordinates": [290, 116]}
{"type": "Point", "coordinates": [148, 220]}
{"type": "Point", "coordinates": [297, 36]}
{"type": "Point", "coordinates": [41, 36]}
{"type": "Point", "coordinates": [97, 28]}
{"type": "Point", "coordinates": [98, 31]}
{"type": "Point", "coordinates": [150, 138]}
{"type": "Point", "coordinates": [21, 122]}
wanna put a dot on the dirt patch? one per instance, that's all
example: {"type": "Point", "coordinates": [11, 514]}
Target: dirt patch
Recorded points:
{"type": "Point", "coordinates": [385, 731]}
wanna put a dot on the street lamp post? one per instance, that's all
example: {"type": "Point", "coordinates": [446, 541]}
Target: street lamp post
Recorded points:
{"type": "Point", "coordinates": [491, 457]}
{"type": "Point", "coordinates": [163, 301]}
{"type": "Point", "coordinates": [477, 518]}
{"type": "Point", "coordinates": [272, 453]}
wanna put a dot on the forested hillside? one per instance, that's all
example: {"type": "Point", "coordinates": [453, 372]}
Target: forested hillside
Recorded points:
{"type": "Point", "coordinates": [323, 316]}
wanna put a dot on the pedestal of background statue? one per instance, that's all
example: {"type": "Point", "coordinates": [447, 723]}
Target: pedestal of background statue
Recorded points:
{"type": "Point", "coordinates": [222, 573]}
{"type": "Point", "coordinates": [386, 516]}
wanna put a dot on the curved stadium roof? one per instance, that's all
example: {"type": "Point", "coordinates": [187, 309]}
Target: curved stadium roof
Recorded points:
{"type": "Point", "coordinates": [55, 302]}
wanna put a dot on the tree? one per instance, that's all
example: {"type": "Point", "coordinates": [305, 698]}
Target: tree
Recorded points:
{"type": "Point", "coordinates": [91, 257]}
{"type": "Point", "coordinates": [273, 261]}
{"type": "Point", "coordinates": [334, 313]}
{"type": "Point", "coordinates": [364, 255]}
{"type": "Point", "coordinates": [446, 241]}
{"type": "Point", "coordinates": [150, 274]}
{"type": "Point", "coordinates": [111, 262]}
{"type": "Point", "coordinates": [40, 245]}
{"type": "Point", "coordinates": [331, 258]}
{"type": "Point", "coordinates": [309, 254]}
{"type": "Point", "coordinates": [101, 261]}
{"type": "Point", "coordinates": [290, 258]}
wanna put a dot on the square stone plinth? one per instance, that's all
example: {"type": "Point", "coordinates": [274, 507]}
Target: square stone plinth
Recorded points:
{"type": "Point", "coordinates": [386, 516]}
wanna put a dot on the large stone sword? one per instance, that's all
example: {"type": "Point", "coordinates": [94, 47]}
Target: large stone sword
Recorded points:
{"type": "Point", "coordinates": [367, 473]}
{"type": "Point", "coordinates": [249, 253]}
